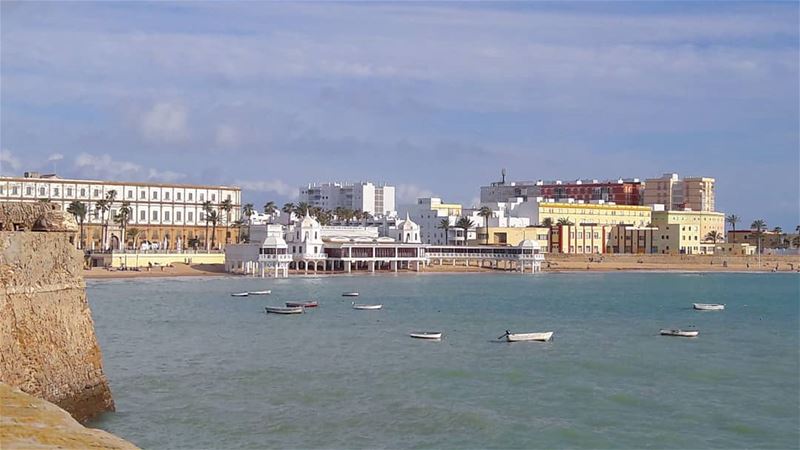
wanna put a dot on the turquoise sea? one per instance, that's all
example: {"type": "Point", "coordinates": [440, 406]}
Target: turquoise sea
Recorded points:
{"type": "Point", "coordinates": [192, 367]}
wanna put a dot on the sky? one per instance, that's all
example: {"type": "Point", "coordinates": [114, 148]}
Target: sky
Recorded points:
{"type": "Point", "coordinates": [434, 98]}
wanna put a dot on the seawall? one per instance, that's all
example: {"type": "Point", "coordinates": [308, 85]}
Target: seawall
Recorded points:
{"type": "Point", "coordinates": [48, 346]}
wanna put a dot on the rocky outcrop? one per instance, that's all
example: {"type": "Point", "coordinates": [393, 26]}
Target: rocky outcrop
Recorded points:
{"type": "Point", "coordinates": [48, 347]}
{"type": "Point", "coordinates": [28, 423]}
{"type": "Point", "coordinates": [37, 216]}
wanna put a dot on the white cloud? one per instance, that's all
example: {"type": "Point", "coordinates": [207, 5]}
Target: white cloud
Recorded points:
{"type": "Point", "coordinates": [107, 168]}
{"type": "Point", "coordinates": [165, 122]}
{"type": "Point", "coordinates": [55, 157]}
{"type": "Point", "coordinates": [274, 186]}
{"type": "Point", "coordinates": [227, 136]}
{"type": "Point", "coordinates": [407, 194]}
{"type": "Point", "coordinates": [9, 165]}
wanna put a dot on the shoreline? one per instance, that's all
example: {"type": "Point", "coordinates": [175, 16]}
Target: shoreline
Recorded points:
{"type": "Point", "coordinates": [217, 270]}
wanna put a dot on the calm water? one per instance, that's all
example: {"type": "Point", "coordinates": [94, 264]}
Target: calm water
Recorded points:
{"type": "Point", "coordinates": [192, 367]}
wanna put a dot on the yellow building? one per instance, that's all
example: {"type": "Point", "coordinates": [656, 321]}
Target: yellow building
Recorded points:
{"type": "Point", "coordinates": [679, 239]}
{"type": "Point", "coordinates": [696, 193]}
{"type": "Point", "coordinates": [512, 236]}
{"type": "Point", "coordinates": [633, 240]}
{"type": "Point", "coordinates": [707, 221]}
{"type": "Point", "coordinates": [594, 213]}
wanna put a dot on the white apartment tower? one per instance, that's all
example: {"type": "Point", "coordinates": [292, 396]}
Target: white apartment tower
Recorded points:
{"type": "Point", "coordinates": [377, 200]}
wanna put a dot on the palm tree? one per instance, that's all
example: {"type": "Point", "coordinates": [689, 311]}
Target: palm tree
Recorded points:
{"type": "Point", "coordinates": [713, 236]}
{"type": "Point", "coordinates": [759, 226]}
{"type": "Point", "coordinates": [248, 210]}
{"type": "Point", "coordinates": [796, 241]}
{"type": "Point", "coordinates": [213, 217]}
{"type": "Point", "coordinates": [207, 208]}
{"type": "Point", "coordinates": [226, 206]}
{"type": "Point", "coordinates": [465, 224]}
{"type": "Point", "coordinates": [548, 222]}
{"type": "Point", "coordinates": [302, 209]}
{"type": "Point", "coordinates": [270, 208]}
{"type": "Point", "coordinates": [288, 208]}
{"type": "Point", "coordinates": [78, 210]}
{"type": "Point", "coordinates": [111, 196]}
{"type": "Point", "coordinates": [486, 212]}
{"type": "Point", "coordinates": [324, 217]}
{"type": "Point", "coordinates": [564, 221]}
{"type": "Point", "coordinates": [133, 233]}
{"type": "Point", "coordinates": [445, 225]}
{"type": "Point", "coordinates": [102, 206]}
{"type": "Point", "coordinates": [122, 218]}
{"type": "Point", "coordinates": [732, 219]}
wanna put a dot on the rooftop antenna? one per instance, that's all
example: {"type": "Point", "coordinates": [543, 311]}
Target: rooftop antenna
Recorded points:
{"type": "Point", "coordinates": [503, 173]}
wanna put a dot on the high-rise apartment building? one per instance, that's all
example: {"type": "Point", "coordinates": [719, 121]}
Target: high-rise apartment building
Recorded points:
{"type": "Point", "coordinates": [620, 191]}
{"type": "Point", "coordinates": [378, 200]}
{"type": "Point", "coordinates": [695, 193]}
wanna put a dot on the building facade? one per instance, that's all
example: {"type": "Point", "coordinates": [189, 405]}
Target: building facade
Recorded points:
{"type": "Point", "coordinates": [513, 236]}
{"type": "Point", "coordinates": [169, 216]}
{"type": "Point", "coordinates": [577, 212]}
{"type": "Point", "coordinates": [695, 193]}
{"type": "Point", "coordinates": [376, 199]}
{"type": "Point", "coordinates": [621, 192]}
{"type": "Point", "coordinates": [706, 221]}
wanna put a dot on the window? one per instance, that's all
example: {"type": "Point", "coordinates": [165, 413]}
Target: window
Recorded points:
{"type": "Point", "coordinates": [130, 194]}
{"type": "Point", "coordinates": [166, 195]}
{"type": "Point", "coordinates": [142, 215]}
{"type": "Point", "coordinates": [55, 192]}
{"type": "Point", "coordinates": [202, 217]}
{"type": "Point", "coordinates": [155, 195]}
{"type": "Point", "coordinates": [229, 196]}
{"type": "Point", "coordinates": [41, 191]}
{"type": "Point", "coordinates": [142, 195]}
{"type": "Point", "coordinates": [213, 197]}
{"type": "Point", "coordinates": [14, 190]}
{"type": "Point", "coordinates": [202, 198]}
{"type": "Point", "coordinates": [177, 216]}
{"type": "Point", "coordinates": [190, 216]}
{"type": "Point", "coordinates": [96, 192]}
{"type": "Point", "coordinates": [69, 192]}
{"type": "Point", "coordinates": [83, 192]}
{"type": "Point", "coordinates": [166, 216]}
{"type": "Point", "coordinates": [28, 190]}
{"type": "Point", "coordinates": [191, 196]}
{"type": "Point", "coordinates": [178, 196]}
{"type": "Point", "coordinates": [154, 214]}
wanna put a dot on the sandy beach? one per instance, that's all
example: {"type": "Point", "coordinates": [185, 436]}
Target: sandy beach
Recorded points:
{"type": "Point", "coordinates": [553, 263]}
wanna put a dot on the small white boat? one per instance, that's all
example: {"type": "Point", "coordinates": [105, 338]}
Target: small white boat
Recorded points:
{"type": "Point", "coordinates": [350, 294]}
{"type": "Point", "coordinates": [267, 292]}
{"type": "Point", "coordinates": [287, 310]}
{"type": "Point", "coordinates": [680, 333]}
{"type": "Point", "coordinates": [240, 294]}
{"type": "Point", "coordinates": [432, 335]}
{"type": "Point", "coordinates": [366, 307]}
{"type": "Point", "coordinates": [709, 306]}
{"type": "Point", "coordinates": [520, 337]}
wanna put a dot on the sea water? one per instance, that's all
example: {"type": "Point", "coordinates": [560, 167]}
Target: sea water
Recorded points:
{"type": "Point", "coordinates": [192, 367]}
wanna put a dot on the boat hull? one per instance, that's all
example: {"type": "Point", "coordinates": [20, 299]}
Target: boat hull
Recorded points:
{"type": "Point", "coordinates": [302, 304]}
{"type": "Point", "coordinates": [368, 307]}
{"type": "Point", "coordinates": [708, 306]}
{"type": "Point", "coordinates": [522, 337]}
{"type": "Point", "coordinates": [260, 292]}
{"type": "Point", "coordinates": [426, 335]}
{"type": "Point", "coordinates": [281, 310]}
{"type": "Point", "coordinates": [242, 294]}
{"type": "Point", "coordinates": [680, 333]}
{"type": "Point", "coordinates": [350, 294]}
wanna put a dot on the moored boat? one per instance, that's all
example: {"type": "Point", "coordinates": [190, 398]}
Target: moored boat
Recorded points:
{"type": "Point", "coordinates": [282, 310]}
{"type": "Point", "coordinates": [306, 304]}
{"type": "Point", "coordinates": [432, 335]}
{"type": "Point", "coordinates": [240, 294]}
{"type": "Point", "coordinates": [366, 307]}
{"type": "Point", "coordinates": [350, 294]}
{"type": "Point", "coordinates": [266, 292]}
{"type": "Point", "coordinates": [708, 306]}
{"type": "Point", "coordinates": [680, 333]}
{"type": "Point", "coordinates": [520, 337]}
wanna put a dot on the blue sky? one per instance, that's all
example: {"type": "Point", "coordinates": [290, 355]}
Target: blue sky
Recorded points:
{"type": "Point", "coordinates": [435, 98]}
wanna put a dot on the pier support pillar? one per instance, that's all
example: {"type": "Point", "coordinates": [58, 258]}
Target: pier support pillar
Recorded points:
{"type": "Point", "coordinates": [394, 266]}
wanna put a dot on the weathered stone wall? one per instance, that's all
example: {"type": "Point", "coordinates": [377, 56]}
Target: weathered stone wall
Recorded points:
{"type": "Point", "coordinates": [35, 216]}
{"type": "Point", "coordinates": [28, 423]}
{"type": "Point", "coordinates": [48, 347]}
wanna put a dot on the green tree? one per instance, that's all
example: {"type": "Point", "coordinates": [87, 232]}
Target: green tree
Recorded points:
{"type": "Point", "coordinates": [122, 218]}
{"type": "Point", "coordinates": [547, 222]}
{"type": "Point", "coordinates": [465, 223]}
{"type": "Point", "coordinates": [207, 208]}
{"type": "Point", "coordinates": [270, 208]}
{"type": "Point", "coordinates": [486, 213]}
{"type": "Point", "coordinates": [302, 209]}
{"type": "Point", "coordinates": [732, 220]}
{"type": "Point", "coordinates": [758, 226]}
{"type": "Point", "coordinates": [214, 218]}
{"type": "Point", "coordinates": [111, 197]}
{"type": "Point", "coordinates": [78, 210]}
{"type": "Point", "coordinates": [133, 233]}
{"type": "Point", "coordinates": [445, 225]}
{"type": "Point", "coordinates": [564, 221]}
{"type": "Point", "coordinates": [713, 236]}
{"type": "Point", "coordinates": [227, 207]}
{"type": "Point", "coordinates": [288, 208]}
{"type": "Point", "coordinates": [102, 206]}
